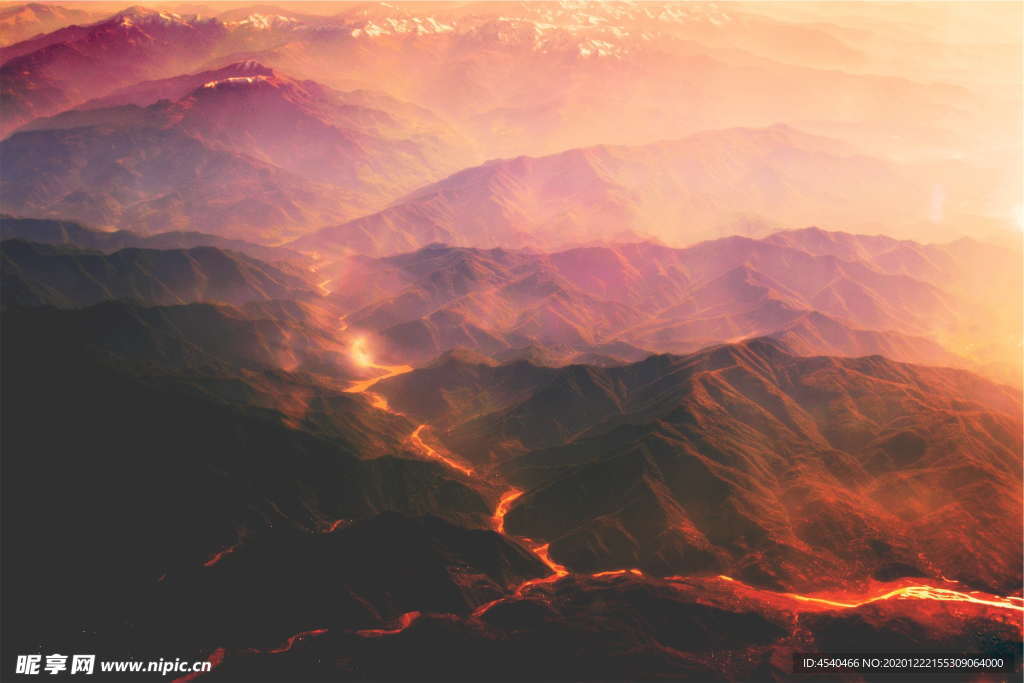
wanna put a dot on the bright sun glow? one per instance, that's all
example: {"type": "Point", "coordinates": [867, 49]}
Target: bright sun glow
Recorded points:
{"type": "Point", "coordinates": [360, 355]}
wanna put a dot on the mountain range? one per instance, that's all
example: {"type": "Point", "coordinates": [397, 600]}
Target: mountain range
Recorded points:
{"type": "Point", "coordinates": [632, 75]}
{"type": "Point", "coordinates": [54, 71]}
{"type": "Point", "coordinates": [819, 292]}
{"type": "Point", "coordinates": [241, 151]}
{"type": "Point", "coordinates": [508, 85]}
{"type": "Point", "coordinates": [328, 548]}
{"type": "Point", "coordinates": [20, 22]}
{"type": "Point", "coordinates": [37, 274]}
{"type": "Point", "coordinates": [743, 460]}
{"type": "Point", "coordinates": [77, 235]}
{"type": "Point", "coordinates": [736, 181]}
{"type": "Point", "coordinates": [193, 461]}
{"type": "Point", "coordinates": [905, 300]}
{"type": "Point", "coordinates": [436, 341]}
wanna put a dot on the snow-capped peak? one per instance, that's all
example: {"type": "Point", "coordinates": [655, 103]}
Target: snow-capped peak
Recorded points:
{"type": "Point", "coordinates": [392, 26]}
{"type": "Point", "coordinates": [132, 16]}
{"type": "Point", "coordinates": [251, 65]}
{"type": "Point", "coordinates": [237, 81]}
{"type": "Point", "coordinates": [263, 22]}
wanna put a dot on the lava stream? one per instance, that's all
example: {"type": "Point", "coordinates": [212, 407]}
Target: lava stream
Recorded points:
{"type": "Point", "coordinates": [418, 442]}
{"type": "Point", "coordinates": [925, 593]}
{"type": "Point", "coordinates": [392, 371]}
{"type": "Point", "coordinates": [504, 504]}
{"type": "Point", "coordinates": [335, 525]}
{"type": "Point", "coordinates": [216, 657]}
{"type": "Point", "coordinates": [558, 571]}
{"type": "Point", "coordinates": [404, 622]}
{"type": "Point", "coordinates": [617, 572]}
{"type": "Point", "coordinates": [220, 555]}
{"type": "Point", "coordinates": [287, 644]}
{"type": "Point", "coordinates": [362, 357]}
{"type": "Point", "coordinates": [540, 550]}
{"type": "Point", "coordinates": [917, 592]}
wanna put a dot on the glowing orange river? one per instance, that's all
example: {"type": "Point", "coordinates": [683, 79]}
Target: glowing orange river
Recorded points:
{"type": "Point", "coordinates": [904, 593]}
{"type": "Point", "coordinates": [558, 572]}
{"type": "Point", "coordinates": [914, 592]}
{"type": "Point", "coordinates": [362, 358]}
{"type": "Point", "coordinates": [542, 550]}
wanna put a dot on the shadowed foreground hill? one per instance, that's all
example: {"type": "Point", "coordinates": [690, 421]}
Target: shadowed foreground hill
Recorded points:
{"type": "Point", "coordinates": [68, 233]}
{"type": "Point", "coordinates": [625, 627]}
{"type": "Point", "coordinates": [209, 525]}
{"type": "Point", "coordinates": [194, 335]}
{"type": "Point", "coordinates": [138, 469]}
{"type": "Point", "coordinates": [41, 274]}
{"type": "Point", "coordinates": [743, 459]}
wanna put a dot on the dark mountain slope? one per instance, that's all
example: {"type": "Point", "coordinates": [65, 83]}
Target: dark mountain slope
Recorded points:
{"type": "Point", "coordinates": [39, 274]}
{"type": "Point", "coordinates": [77, 235]}
{"type": "Point", "coordinates": [159, 472]}
{"type": "Point", "coordinates": [626, 627]}
{"type": "Point", "coordinates": [364, 575]}
{"type": "Point", "coordinates": [747, 460]}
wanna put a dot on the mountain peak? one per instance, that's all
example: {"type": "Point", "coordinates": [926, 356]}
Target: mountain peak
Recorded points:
{"type": "Point", "coordinates": [462, 356]}
{"type": "Point", "coordinates": [144, 17]}
{"type": "Point", "coordinates": [766, 347]}
{"type": "Point", "coordinates": [137, 13]}
{"type": "Point", "coordinates": [265, 21]}
{"type": "Point", "coordinates": [249, 66]}
{"type": "Point", "coordinates": [240, 81]}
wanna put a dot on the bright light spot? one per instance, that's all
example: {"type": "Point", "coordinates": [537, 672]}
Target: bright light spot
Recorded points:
{"type": "Point", "coordinates": [360, 355]}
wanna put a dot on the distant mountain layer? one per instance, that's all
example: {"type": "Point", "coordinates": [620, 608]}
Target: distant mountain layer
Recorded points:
{"type": "Point", "coordinates": [241, 150]}
{"type": "Point", "coordinates": [19, 22]}
{"type": "Point", "coordinates": [534, 81]}
{"type": "Point", "coordinates": [744, 460]}
{"type": "Point", "coordinates": [155, 180]}
{"type": "Point", "coordinates": [363, 139]}
{"type": "Point", "coordinates": [55, 71]}
{"type": "Point", "coordinates": [538, 79]}
{"type": "Point", "coordinates": [736, 181]}
{"type": "Point", "coordinates": [904, 300]}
